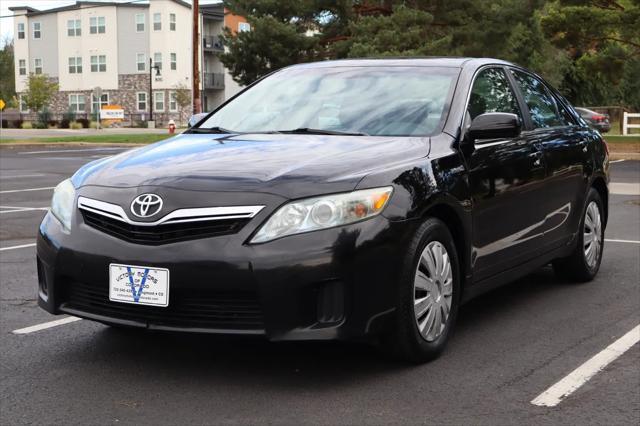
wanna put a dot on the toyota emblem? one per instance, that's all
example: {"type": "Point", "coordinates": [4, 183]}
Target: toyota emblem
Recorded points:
{"type": "Point", "coordinates": [146, 205]}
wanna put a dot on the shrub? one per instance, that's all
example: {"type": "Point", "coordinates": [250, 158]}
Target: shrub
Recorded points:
{"type": "Point", "coordinates": [75, 125]}
{"type": "Point", "coordinates": [67, 118]}
{"type": "Point", "coordinates": [26, 125]}
{"type": "Point", "coordinates": [17, 124]}
{"type": "Point", "coordinates": [84, 122]}
{"type": "Point", "coordinates": [93, 124]}
{"type": "Point", "coordinates": [44, 117]}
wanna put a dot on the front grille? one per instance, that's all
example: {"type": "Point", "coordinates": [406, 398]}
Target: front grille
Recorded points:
{"type": "Point", "coordinates": [231, 310]}
{"type": "Point", "coordinates": [163, 233]}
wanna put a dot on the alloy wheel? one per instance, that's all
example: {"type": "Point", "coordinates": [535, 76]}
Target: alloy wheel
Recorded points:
{"type": "Point", "coordinates": [433, 291]}
{"type": "Point", "coordinates": [592, 234]}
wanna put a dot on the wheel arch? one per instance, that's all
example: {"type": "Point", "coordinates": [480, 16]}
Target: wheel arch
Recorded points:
{"type": "Point", "coordinates": [454, 220]}
{"type": "Point", "coordinates": [600, 185]}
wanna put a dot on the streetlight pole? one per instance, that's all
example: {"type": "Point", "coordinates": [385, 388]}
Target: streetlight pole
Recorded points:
{"type": "Point", "coordinates": [151, 68]}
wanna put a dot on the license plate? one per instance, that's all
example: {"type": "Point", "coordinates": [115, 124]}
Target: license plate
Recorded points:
{"type": "Point", "coordinates": [140, 285]}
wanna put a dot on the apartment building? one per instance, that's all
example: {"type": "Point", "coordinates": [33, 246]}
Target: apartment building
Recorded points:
{"type": "Point", "coordinates": [109, 45]}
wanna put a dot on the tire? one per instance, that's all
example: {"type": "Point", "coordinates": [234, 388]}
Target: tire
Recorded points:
{"type": "Point", "coordinates": [405, 341]}
{"type": "Point", "coordinates": [583, 265]}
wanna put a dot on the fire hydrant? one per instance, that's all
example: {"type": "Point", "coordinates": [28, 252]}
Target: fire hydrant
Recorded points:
{"type": "Point", "coordinates": [172, 127]}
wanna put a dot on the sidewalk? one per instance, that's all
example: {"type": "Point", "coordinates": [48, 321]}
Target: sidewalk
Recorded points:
{"type": "Point", "coordinates": [52, 133]}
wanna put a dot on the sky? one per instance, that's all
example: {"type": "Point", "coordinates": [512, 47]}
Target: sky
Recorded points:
{"type": "Point", "coordinates": [6, 24]}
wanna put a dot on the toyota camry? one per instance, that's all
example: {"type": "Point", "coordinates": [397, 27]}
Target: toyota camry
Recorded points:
{"type": "Point", "coordinates": [356, 199]}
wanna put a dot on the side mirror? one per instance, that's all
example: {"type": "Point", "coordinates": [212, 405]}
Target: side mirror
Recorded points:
{"type": "Point", "coordinates": [494, 125]}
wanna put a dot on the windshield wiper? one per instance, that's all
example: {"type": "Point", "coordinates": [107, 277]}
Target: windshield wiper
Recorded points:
{"type": "Point", "coordinates": [310, 131]}
{"type": "Point", "coordinates": [216, 129]}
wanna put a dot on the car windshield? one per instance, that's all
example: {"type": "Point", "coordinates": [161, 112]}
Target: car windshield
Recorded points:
{"type": "Point", "coordinates": [377, 101]}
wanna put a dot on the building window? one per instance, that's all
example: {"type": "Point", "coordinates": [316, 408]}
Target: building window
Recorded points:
{"type": "Point", "coordinates": [141, 60]}
{"type": "Point", "coordinates": [104, 101]}
{"type": "Point", "coordinates": [37, 66]}
{"type": "Point", "coordinates": [172, 22]}
{"type": "Point", "coordinates": [37, 33]}
{"type": "Point", "coordinates": [76, 103]}
{"type": "Point", "coordinates": [73, 28]}
{"type": "Point", "coordinates": [75, 65]}
{"type": "Point", "coordinates": [22, 105]}
{"type": "Point", "coordinates": [97, 25]}
{"type": "Point", "coordinates": [173, 102]}
{"type": "Point", "coordinates": [157, 60]}
{"type": "Point", "coordinates": [142, 101]}
{"type": "Point", "coordinates": [99, 63]}
{"type": "Point", "coordinates": [244, 26]}
{"type": "Point", "coordinates": [157, 22]}
{"type": "Point", "coordinates": [21, 30]}
{"type": "Point", "coordinates": [174, 62]}
{"type": "Point", "coordinates": [139, 22]}
{"type": "Point", "coordinates": [22, 67]}
{"type": "Point", "coordinates": [158, 101]}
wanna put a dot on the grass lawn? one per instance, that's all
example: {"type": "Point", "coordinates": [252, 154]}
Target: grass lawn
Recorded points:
{"type": "Point", "coordinates": [132, 138]}
{"type": "Point", "coordinates": [623, 143]}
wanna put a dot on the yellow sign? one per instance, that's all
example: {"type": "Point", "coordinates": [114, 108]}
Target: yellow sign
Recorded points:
{"type": "Point", "coordinates": [2, 105]}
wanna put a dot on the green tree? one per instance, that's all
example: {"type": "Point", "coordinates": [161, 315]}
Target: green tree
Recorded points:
{"type": "Point", "coordinates": [283, 32]}
{"type": "Point", "coordinates": [602, 39]}
{"type": "Point", "coordinates": [404, 32]}
{"type": "Point", "coordinates": [183, 99]}
{"type": "Point", "coordinates": [39, 91]}
{"type": "Point", "coordinates": [7, 71]}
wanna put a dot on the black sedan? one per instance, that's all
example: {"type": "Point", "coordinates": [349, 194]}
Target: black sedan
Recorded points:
{"type": "Point", "coordinates": [358, 199]}
{"type": "Point", "coordinates": [594, 119]}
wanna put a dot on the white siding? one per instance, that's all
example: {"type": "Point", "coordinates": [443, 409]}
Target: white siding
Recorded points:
{"type": "Point", "coordinates": [167, 42]}
{"type": "Point", "coordinates": [86, 46]}
{"type": "Point", "coordinates": [21, 51]}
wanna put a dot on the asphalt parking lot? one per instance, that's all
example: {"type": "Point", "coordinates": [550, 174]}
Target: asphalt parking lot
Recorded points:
{"type": "Point", "coordinates": [510, 346]}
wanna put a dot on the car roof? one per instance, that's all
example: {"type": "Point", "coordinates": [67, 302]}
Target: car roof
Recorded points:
{"type": "Point", "coordinates": [450, 62]}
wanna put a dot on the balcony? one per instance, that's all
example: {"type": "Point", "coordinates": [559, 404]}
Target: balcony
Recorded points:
{"type": "Point", "coordinates": [213, 80]}
{"type": "Point", "coordinates": [212, 44]}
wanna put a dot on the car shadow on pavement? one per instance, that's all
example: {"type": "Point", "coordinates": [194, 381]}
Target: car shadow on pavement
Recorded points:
{"type": "Point", "coordinates": [251, 361]}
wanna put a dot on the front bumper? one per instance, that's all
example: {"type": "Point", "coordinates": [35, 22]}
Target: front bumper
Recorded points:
{"type": "Point", "coordinates": [331, 284]}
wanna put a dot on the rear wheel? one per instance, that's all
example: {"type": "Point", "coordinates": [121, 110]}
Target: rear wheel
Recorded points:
{"type": "Point", "coordinates": [583, 264]}
{"type": "Point", "coordinates": [427, 299]}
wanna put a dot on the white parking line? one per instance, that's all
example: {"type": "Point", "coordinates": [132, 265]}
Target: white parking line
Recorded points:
{"type": "Point", "coordinates": [46, 325]}
{"type": "Point", "coordinates": [623, 241]}
{"type": "Point", "coordinates": [21, 209]}
{"type": "Point", "coordinates": [578, 377]}
{"type": "Point", "coordinates": [18, 247]}
{"type": "Point", "coordinates": [616, 161]}
{"type": "Point", "coordinates": [27, 189]}
{"type": "Point", "coordinates": [625, 188]}
{"type": "Point", "coordinates": [20, 176]}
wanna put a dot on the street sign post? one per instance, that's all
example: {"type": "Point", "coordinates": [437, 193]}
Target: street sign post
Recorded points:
{"type": "Point", "coordinates": [2, 105]}
{"type": "Point", "coordinates": [97, 93]}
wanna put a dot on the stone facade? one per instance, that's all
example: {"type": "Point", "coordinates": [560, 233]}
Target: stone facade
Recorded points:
{"type": "Point", "coordinates": [129, 85]}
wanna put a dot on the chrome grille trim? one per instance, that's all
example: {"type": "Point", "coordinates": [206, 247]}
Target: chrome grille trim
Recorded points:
{"type": "Point", "coordinates": [116, 212]}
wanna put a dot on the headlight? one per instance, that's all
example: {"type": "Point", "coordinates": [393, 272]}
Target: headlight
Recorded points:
{"type": "Point", "coordinates": [62, 202]}
{"type": "Point", "coordinates": [323, 212]}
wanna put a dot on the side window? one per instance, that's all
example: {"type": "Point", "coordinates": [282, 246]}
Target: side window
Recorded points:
{"type": "Point", "coordinates": [491, 92]}
{"type": "Point", "coordinates": [567, 115]}
{"type": "Point", "coordinates": [540, 102]}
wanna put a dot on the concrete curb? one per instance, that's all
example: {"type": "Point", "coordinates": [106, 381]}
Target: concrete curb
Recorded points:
{"type": "Point", "coordinates": [68, 144]}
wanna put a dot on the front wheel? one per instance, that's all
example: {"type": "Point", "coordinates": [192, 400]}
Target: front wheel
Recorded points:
{"type": "Point", "coordinates": [583, 264]}
{"type": "Point", "coordinates": [428, 295]}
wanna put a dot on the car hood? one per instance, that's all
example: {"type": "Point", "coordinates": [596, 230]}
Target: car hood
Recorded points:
{"type": "Point", "coordinates": [291, 166]}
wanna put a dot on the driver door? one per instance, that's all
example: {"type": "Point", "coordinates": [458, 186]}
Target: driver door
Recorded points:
{"type": "Point", "coordinates": [506, 179]}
